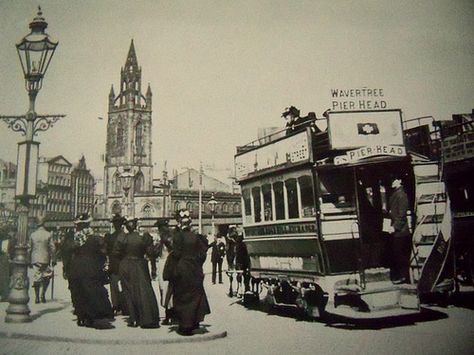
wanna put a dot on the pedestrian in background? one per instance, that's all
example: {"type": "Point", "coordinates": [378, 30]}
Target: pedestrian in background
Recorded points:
{"type": "Point", "coordinates": [217, 257]}
{"type": "Point", "coordinates": [87, 277]}
{"type": "Point", "coordinates": [66, 249]}
{"type": "Point", "coordinates": [117, 298]}
{"type": "Point", "coordinates": [134, 274]}
{"type": "Point", "coordinates": [242, 262]}
{"type": "Point", "coordinates": [42, 259]}
{"type": "Point", "coordinates": [189, 297]}
{"type": "Point", "coordinates": [230, 247]}
{"type": "Point", "coordinates": [163, 250]}
{"type": "Point", "coordinates": [401, 236]}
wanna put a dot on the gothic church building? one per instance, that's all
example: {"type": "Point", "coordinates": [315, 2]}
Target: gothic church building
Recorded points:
{"type": "Point", "coordinates": [128, 175]}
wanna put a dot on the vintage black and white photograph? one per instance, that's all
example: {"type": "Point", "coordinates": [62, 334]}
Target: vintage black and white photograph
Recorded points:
{"type": "Point", "coordinates": [236, 177]}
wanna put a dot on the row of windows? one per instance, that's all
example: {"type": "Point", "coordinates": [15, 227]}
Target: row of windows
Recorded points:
{"type": "Point", "coordinates": [289, 199]}
{"type": "Point", "coordinates": [60, 195]}
{"type": "Point", "coordinates": [59, 180]}
{"type": "Point", "coordinates": [193, 207]}
{"type": "Point", "coordinates": [59, 168]}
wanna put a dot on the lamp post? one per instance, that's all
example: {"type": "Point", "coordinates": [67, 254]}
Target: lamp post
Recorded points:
{"type": "Point", "coordinates": [212, 207]}
{"type": "Point", "coordinates": [35, 51]}
{"type": "Point", "coordinates": [127, 177]}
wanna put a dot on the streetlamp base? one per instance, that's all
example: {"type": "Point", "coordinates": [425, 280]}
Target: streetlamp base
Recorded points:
{"type": "Point", "coordinates": [18, 310]}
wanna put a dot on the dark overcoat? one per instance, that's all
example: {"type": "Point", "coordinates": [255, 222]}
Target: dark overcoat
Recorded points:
{"type": "Point", "coordinates": [135, 278]}
{"type": "Point", "coordinates": [189, 297]}
{"type": "Point", "coordinates": [398, 204]}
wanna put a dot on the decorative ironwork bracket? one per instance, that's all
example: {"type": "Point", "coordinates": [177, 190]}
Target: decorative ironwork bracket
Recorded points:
{"type": "Point", "coordinates": [40, 124]}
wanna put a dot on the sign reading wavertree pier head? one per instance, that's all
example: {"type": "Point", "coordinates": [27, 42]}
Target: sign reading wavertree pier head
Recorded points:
{"type": "Point", "coordinates": [363, 98]}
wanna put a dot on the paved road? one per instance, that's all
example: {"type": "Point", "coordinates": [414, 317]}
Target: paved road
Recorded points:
{"type": "Point", "coordinates": [253, 331]}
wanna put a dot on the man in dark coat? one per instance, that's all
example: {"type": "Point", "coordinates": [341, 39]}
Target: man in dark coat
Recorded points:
{"type": "Point", "coordinates": [118, 301]}
{"type": "Point", "coordinates": [217, 256]}
{"type": "Point", "coordinates": [230, 247]}
{"type": "Point", "coordinates": [242, 262]}
{"type": "Point", "coordinates": [401, 237]}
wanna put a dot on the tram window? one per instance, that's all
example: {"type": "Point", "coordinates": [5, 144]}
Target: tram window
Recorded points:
{"type": "Point", "coordinates": [247, 202]}
{"type": "Point", "coordinates": [307, 196]}
{"type": "Point", "coordinates": [257, 207]}
{"type": "Point", "coordinates": [292, 196]}
{"type": "Point", "coordinates": [279, 200]}
{"type": "Point", "coordinates": [267, 202]}
{"type": "Point", "coordinates": [337, 190]}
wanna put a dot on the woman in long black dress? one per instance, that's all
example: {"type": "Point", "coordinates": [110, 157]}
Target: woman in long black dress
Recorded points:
{"type": "Point", "coordinates": [87, 277]}
{"type": "Point", "coordinates": [189, 297]}
{"type": "Point", "coordinates": [135, 276]}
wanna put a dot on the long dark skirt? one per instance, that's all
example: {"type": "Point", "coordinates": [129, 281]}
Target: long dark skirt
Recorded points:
{"type": "Point", "coordinates": [138, 291]}
{"type": "Point", "coordinates": [88, 293]}
{"type": "Point", "coordinates": [189, 298]}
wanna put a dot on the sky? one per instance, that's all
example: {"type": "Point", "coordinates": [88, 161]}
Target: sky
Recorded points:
{"type": "Point", "coordinates": [219, 70]}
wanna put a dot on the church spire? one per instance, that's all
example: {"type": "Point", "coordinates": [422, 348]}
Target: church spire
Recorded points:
{"type": "Point", "coordinates": [111, 96]}
{"type": "Point", "coordinates": [131, 58]}
{"type": "Point", "coordinates": [131, 81]}
{"type": "Point", "coordinates": [148, 96]}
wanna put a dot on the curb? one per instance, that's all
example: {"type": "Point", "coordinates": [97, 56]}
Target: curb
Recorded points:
{"type": "Point", "coordinates": [191, 339]}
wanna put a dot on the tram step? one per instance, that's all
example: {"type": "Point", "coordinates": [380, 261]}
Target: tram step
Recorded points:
{"type": "Point", "coordinates": [425, 189]}
{"type": "Point", "coordinates": [430, 209]}
{"type": "Point", "coordinates": [426, 170]}
{"type": "Point", "coordinates": [382, 295]}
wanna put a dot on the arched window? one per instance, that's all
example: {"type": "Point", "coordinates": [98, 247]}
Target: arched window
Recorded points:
{"type": "Point", "coordinates": [176, 206]}
{"type": "Point", "coordinates": [119, 142]}
{"type": "Point", "coordinates": [225, 208]}
{"type": "Point", "coordinates": [189, 207]}
{"type": "Point", "coordinates": [116, 207]}
{"type": "Point", "coordinates": [116, 183]}
{"type": "Point", "coordinates": [236, 207]}
{"type": "Point", "coordinates": [139, 149]}
{"type": "Point", "coordinates": [139, 182]}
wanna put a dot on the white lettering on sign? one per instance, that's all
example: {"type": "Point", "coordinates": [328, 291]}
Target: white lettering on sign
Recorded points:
{"type": "Point", "coordinates": [281, 263]}
{"type": "Point", "coordinates": [370, 151]}
{"type": "Point", "coordinates": [363, 98]}
{"type": "Point", "coordinates": [291, 150]}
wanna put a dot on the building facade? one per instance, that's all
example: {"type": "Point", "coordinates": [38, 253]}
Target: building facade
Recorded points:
{"type": "Point", "coordinates": [83, 189]}
{"type": "Point", "coordinates": [53, 199]}
{"type": "Point", "coordinates": [7, 184]}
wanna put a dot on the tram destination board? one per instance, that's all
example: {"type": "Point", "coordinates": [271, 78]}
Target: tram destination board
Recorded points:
{"type": "Point", "coordinates": [283, 153]}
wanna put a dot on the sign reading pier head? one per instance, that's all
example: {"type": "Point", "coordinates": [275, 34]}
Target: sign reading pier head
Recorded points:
{"type": "Point", "coordinates": [363, 98]}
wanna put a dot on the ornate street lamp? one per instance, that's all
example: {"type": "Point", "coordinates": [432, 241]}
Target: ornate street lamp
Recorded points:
{"type": "Point", "coordinates": [127, 178]}
{"type": "Point", "coordinates": [212, 207]}
{"type": "Point", "coordinates": [35, 51]}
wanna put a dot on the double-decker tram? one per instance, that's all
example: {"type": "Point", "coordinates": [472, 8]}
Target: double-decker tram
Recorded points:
{"type": "Point", "coordinates": [315, 209]}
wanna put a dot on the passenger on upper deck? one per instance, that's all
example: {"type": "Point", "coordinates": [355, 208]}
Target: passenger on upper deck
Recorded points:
{"type": "Point", "coordinates": [295, 123]}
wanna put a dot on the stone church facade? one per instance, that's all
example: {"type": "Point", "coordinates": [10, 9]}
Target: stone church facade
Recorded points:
{"type": "Point", "coordinates": [128, 172]}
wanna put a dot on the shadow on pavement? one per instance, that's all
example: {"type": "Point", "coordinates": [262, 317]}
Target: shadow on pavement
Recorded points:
{"type": "Point", "coordinates": [201, 330]}
{"type": "Point", "coordinates": [341, 322]}
{"type": "Point", "coordinates": [463, 299]}
{"type": "Point", "coordinates": [40, 313]}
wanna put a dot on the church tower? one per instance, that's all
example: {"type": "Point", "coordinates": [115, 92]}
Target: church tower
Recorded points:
{"type": "Point", "coordinates": [128, 163]}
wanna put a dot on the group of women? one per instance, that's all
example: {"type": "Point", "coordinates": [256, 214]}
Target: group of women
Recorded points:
{"type": "Point", "coordinates": [182, 270]}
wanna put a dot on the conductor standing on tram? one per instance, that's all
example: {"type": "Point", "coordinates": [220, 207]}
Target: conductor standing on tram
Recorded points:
{"type": "Point", "coordinates": [401, 237]}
